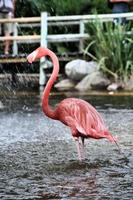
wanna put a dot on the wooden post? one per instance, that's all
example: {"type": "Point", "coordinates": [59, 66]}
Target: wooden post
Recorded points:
{"type": "Point", "coordinates": [81, 30]}
{"type": "Point", "coordinates": [15, 45]}
{"type": "Point", "coordinates": [43, 63]}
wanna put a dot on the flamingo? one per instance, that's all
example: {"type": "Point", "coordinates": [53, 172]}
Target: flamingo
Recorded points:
{"type": "Point", "coordinates": [80, 116]}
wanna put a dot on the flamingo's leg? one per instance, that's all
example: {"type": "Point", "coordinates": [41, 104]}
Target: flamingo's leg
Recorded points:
{"type": "Point", "coordinates": [79, 143]}
{"type": "Point", "coordinates": [80, 148]}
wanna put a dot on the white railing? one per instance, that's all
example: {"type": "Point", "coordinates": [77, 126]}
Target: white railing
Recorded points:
{"type": "Point", "coordinates": [44, 38]}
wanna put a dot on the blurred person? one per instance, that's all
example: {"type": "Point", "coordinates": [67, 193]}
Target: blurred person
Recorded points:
{"type": "Point", "coordinates": [119, 6]}
{"type": "Point", "coordinates": [7, 8]}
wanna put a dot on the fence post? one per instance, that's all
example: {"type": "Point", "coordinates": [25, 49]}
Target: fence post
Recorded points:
{"type": "Point", "coordinates": [15, 45]}
{"type": "Point", "coordinates": [43, 63]}
{"type": "Point", "coordinates": [81, 30]}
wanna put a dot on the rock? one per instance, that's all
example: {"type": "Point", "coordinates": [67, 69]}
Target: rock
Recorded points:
{"type": "Point", "coordinates": [96, 80]}
{"type": "Point", "coordinates": [114, 86]}
{"type": "Point", "coordinates": [111, 93]}
{"type": "Point", "coordinates": [78, 69]}
{"type": "Point", "coordinates": [65, 84]}
{"type": "Point", "coordinates": [84, 84]}
{"type": "Point", "coordinates": [99, 81]}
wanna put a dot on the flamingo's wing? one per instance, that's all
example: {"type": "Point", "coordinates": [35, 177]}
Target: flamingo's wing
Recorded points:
{"type": "Point", "coordinates": [81, 116]}
{"type": "Point", "coordinates": [75, 126]}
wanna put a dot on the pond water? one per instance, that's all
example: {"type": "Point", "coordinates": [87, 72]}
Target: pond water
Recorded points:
{"type": "Point", "coordinates": [38, 158]}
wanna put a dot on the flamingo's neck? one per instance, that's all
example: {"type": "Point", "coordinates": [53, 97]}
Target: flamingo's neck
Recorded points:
{"type": "Point", "coordinates": [45, 98]}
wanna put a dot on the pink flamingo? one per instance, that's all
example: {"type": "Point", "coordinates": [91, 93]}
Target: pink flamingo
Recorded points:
{"type": "Point", "coordinates": [82, 118]}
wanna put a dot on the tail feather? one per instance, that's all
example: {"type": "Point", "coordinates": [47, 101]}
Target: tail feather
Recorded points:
{"type": "Point", "coordinates": [113, 139]}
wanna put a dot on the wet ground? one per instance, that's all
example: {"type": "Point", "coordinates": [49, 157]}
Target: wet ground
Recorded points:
{"type": "Point", "coordinates": [38, 158]}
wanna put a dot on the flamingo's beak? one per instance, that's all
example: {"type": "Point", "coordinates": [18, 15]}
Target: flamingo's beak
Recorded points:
{"type": "Point", "coordinates": [32, 56]}
{"type": "Point", "coordinates": [38, 53]}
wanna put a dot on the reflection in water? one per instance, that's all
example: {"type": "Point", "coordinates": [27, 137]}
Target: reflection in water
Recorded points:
{"type": "Point", "coordinates": [38, 157]}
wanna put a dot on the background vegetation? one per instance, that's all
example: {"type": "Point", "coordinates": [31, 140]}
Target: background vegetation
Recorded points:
{"type": "Point", "coordinates": [60, 7]}
{"type": "Point", "coordinates": [110, 46]}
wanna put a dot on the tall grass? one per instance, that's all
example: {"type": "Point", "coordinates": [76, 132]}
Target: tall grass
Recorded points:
{"type": "Point", "coordinates": [112, 47]}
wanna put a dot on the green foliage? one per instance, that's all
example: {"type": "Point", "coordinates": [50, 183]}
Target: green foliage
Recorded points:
{"type": "Point", "coordinates": [26, 8]}
{"type": "Point", "coordinates": [60, 7]}
{"type": "Point", "coordinates": [111, 46]}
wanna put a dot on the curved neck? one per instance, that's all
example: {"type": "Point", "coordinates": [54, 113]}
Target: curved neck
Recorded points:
{"type": "Point", "coordinates": [45, 98]}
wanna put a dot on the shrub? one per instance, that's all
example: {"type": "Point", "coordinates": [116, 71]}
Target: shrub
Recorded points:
{"type": "Point", "coordinates": [111, 47]}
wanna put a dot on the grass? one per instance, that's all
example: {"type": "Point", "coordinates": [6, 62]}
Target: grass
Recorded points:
{"type": "Point", "coordinates": [111, 46]}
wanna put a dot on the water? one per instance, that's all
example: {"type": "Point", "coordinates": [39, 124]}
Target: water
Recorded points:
{"type": "Point", "coordinates": [38, 158]}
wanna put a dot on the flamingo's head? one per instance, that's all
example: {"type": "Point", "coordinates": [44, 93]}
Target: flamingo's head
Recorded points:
{"type": "Point", "coordinates": [38, 53]}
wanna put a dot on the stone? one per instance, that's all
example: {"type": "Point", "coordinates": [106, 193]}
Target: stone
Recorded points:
{"type": "Point", "coordinates": [78, 69]}
{"type": "Point", "coordinates": [65, 84]}
{"type": "Point", "coordinates": [114, 86]}
{"type": "Point", "coordinates": [96, 80]}
{"type": "Point", "coordinates": [84, 84]}
{"type": "Point", "coordinates": [99, 81]}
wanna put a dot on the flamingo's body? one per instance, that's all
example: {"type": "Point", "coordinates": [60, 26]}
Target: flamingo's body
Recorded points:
{"type": "Point", "coordinates": [82, 118]}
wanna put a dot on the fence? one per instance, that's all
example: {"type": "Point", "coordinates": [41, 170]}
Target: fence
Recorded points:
{"type": "Point", "coordinates": [44, 38]}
